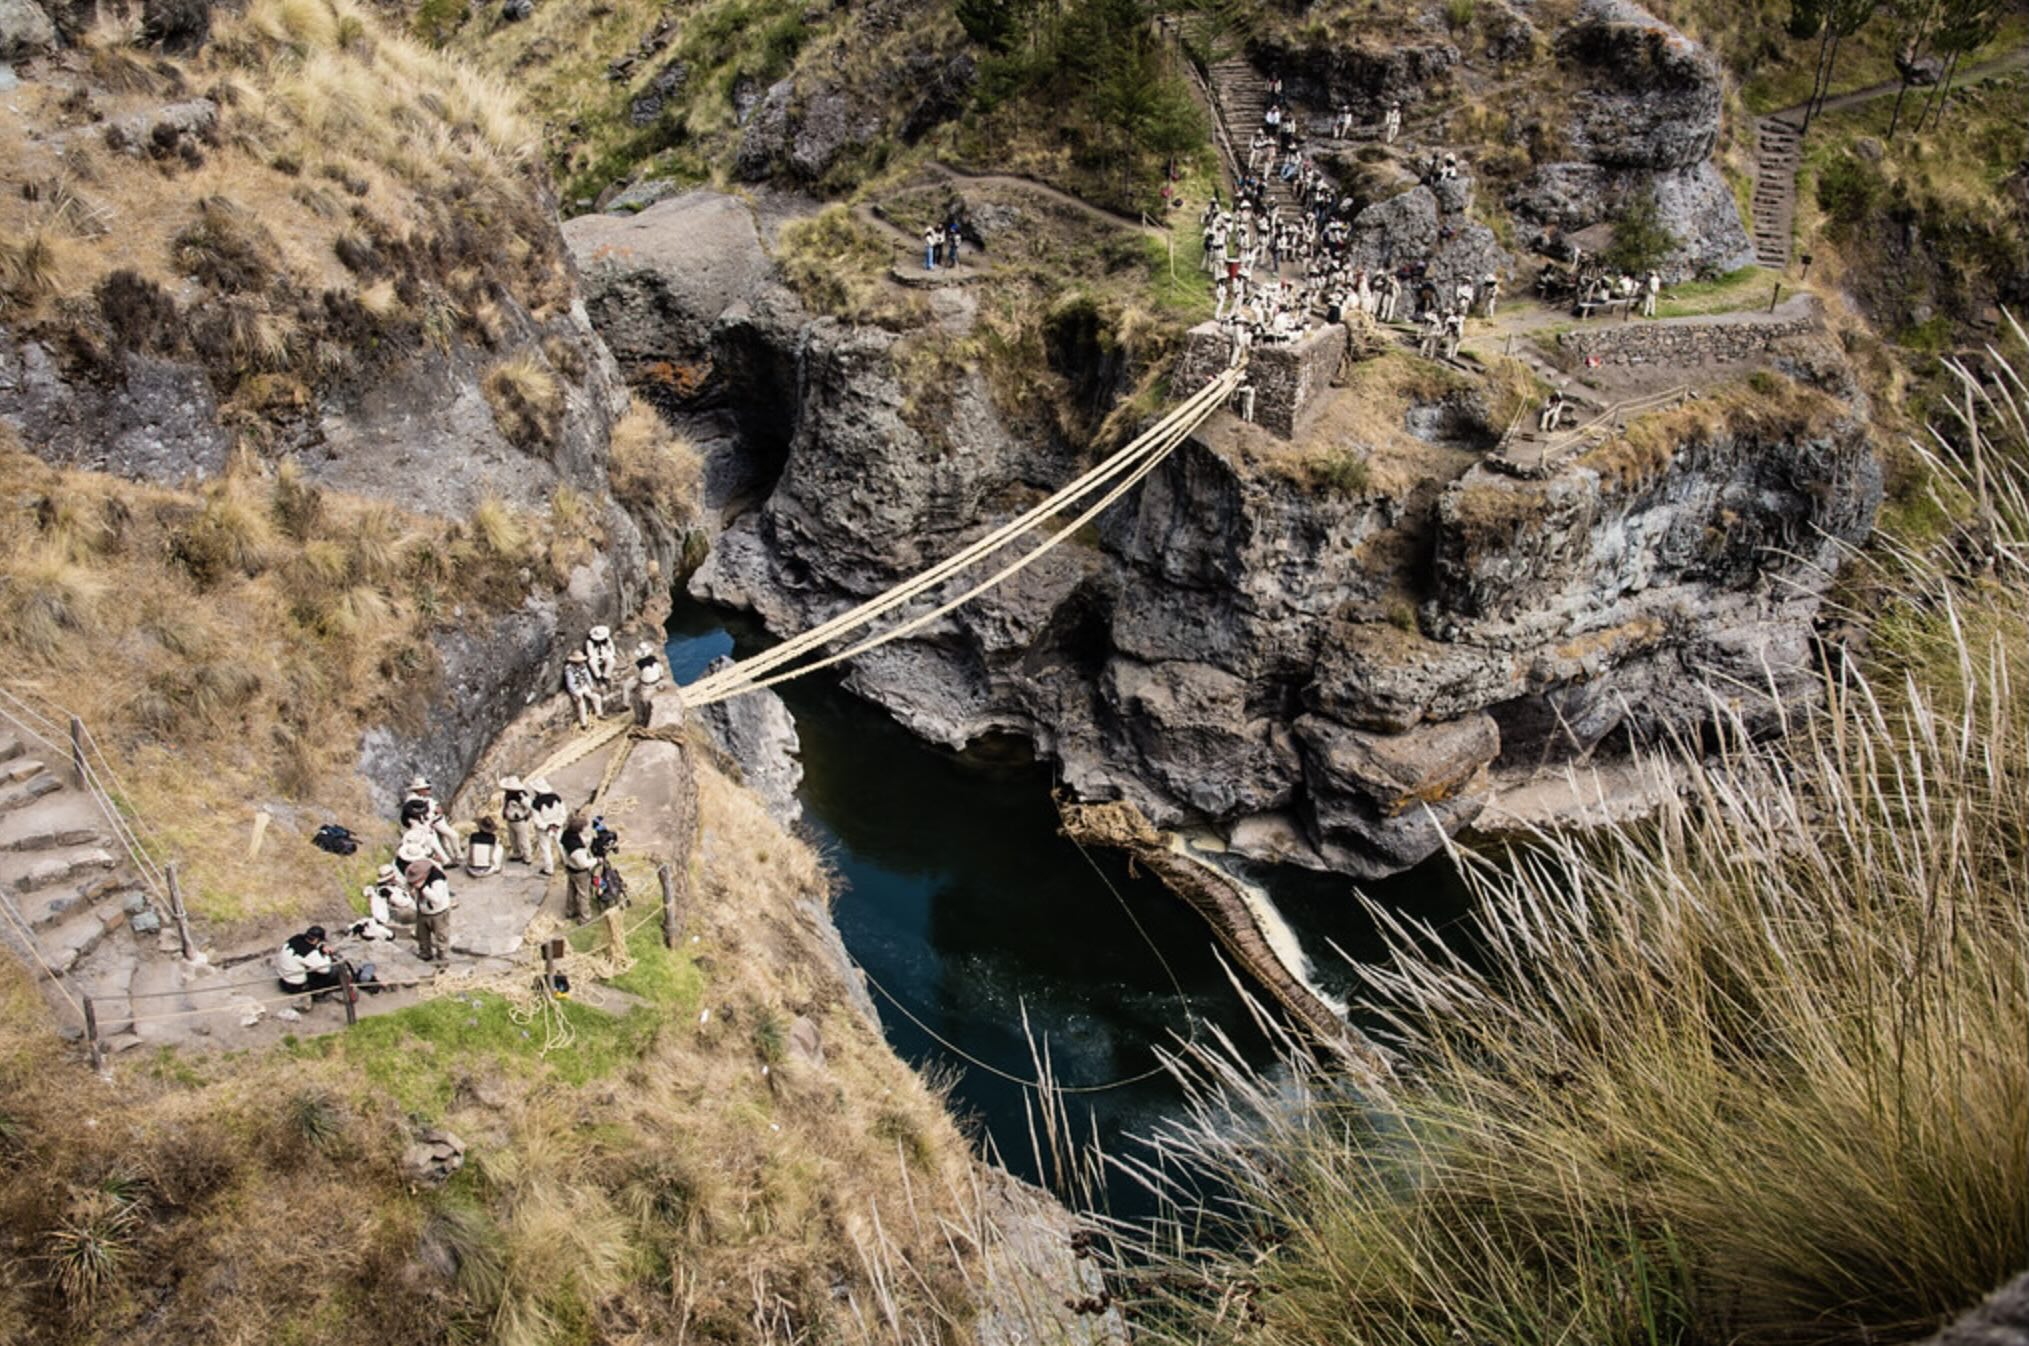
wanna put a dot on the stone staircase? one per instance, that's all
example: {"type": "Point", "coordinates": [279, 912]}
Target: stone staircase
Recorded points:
{"type": "Point", "coordinates": [1240, 98]}
{"type": "Point", "coordinates": [1778, 151]}
{"type": "Point", "coordinates": [75, 909]}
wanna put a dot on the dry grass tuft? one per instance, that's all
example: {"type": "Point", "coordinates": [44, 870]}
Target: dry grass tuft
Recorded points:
{"type": "Point", "coordinates": [652, 468]}
{"type": "Point", "coordinates": [527, 404]}
{"type": "Point", "coordinates": [840, 266]}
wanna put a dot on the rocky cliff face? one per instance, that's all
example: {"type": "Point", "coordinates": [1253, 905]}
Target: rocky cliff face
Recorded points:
{"type": "Point", "coordinates": [1625, 105]}
{"type": "Point", "coordinates": [1645, 119]}
{"type": "Point", "coordinates": [1331, 679]}
{"type": "Point", "coordinates": [400, 323]}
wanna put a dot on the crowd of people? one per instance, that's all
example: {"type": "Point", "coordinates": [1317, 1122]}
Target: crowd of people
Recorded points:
{"type": "Point", "coordinates": [1252, 246]}
{"type": "Point", "coordinates": [532, 826]}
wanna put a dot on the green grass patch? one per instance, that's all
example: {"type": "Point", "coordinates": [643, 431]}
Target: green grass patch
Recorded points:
{"type": "Point", "coordinates": [1747, 288]}
{"type": "Point", "coordinates": [416, 1055]}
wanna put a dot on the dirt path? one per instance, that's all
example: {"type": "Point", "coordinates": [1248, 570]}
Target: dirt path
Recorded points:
{"type": "Point", "coordinates": [1998, 65]}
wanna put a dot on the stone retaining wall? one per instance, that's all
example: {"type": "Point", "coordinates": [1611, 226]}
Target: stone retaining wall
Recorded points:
{"type": "Point", "coordinates": [1683, 344]}
{"type": "Point", "coordinates": [1287, 379]}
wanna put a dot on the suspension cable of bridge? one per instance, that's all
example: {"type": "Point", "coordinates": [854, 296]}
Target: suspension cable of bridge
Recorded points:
{"type": "Point", "coordinates": [1115, 476]}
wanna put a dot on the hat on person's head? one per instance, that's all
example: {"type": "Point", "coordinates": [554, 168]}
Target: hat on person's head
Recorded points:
{"type": "Point", "coordinates": [540, 785]}
{"type": "Point", "coordinates": [315, 932]}
{"type": "Point", "coordinates": [576, 657]}
{"type": "Point", "coordinates": [510, 782]}
{"type": "Point", "coordinates": [388, 871]}
{"type": "Point", "coordinates": [412, 851]}
{"type": "Point", "coordinates": [419, 782]}
{"type": "Point", "coordinates": [645, 648]}
{"type": "Point", "coordinates": [601, 632]}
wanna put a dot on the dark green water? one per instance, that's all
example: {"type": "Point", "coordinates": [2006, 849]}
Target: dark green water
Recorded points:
{"type": "Point", "coordinates": [969, 910]}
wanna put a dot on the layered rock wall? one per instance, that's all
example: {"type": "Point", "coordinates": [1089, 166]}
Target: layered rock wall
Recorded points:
{"type": "Point", "coordinates": [1287, 377]}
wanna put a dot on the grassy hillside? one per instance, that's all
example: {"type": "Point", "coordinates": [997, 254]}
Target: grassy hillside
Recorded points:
{"type": "Point", "coordinates": [295, 205]}
{"type": "Point", "coordinates": [675, 1171]}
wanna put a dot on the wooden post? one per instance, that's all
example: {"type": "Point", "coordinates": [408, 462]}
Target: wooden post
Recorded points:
{"type": "Point", "coordinates": [1774, 295]}
{"type": "Point", "coordinates": [77, 749]}
{"type": "Point", "coordinates": [616, 935]}
{"type": "Point", "coordinates": [351, 996]}
{"type": "Point", "coordinates": [668, 879]}
{"type": "Point", "coordinates": [92, 1028]}
{"type": "Point", "coordinates": [181, 917]}
{"type": "Point", "coordinates": [552, 949]}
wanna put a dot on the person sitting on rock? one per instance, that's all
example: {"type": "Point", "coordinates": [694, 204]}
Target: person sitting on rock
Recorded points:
{"type": "Point", "coordinates": [579, 862]}
{"type": "Point", "coordinates": [1553, 413]}
{"type": "Point", "coordinates": [647, 679]}
{"type": "Point", "coordinates": [520, 818]}
{"type": "Point", "coordinates": [388, 904]}
{"type": "Point", "coordinates": [306, 965]}
{"type": "Point", "coordinates": [547, 807]}
{"type": "Point", "coordinates": [583, 689]}
{"type": "Point", "coordinates": [600, 655]}
{"type": "Point", "coordinates": [432, 888]}
{"type": "Point", "coordinates": [483, 854]}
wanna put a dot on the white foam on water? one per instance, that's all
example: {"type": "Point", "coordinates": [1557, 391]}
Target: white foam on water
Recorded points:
{"type": "Point", "coordinates": [1281, 939]}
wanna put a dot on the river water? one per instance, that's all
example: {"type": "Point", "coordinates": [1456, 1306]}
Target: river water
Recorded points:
{"type": "Point", "coordinates": [971, 913]}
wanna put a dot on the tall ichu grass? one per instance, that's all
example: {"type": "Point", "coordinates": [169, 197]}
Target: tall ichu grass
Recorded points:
{"type": "Point", "coordinates": [1753, 1072]}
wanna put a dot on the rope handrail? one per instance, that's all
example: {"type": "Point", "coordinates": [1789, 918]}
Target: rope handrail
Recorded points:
{"type": "Point", "coordinates": [1192, 408]}
{"type": "Point", "coordinates": [1149, 449]}
{"type": "Point", "coordinates": [1633, 406]}
{"type": "Point", "coordinates": [34, 949]}
{"type": "Point", "coordinates": [93, 770]}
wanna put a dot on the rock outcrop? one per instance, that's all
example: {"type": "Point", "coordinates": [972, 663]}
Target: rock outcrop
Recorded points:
{"type": "Point", "coordinates": [1331, 678]}
{"type": "Point", "coordinates": [1645, 120]}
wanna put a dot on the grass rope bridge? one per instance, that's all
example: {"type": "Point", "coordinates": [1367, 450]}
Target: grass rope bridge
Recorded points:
{"type": "Point", "coordinates": [1124, 470]}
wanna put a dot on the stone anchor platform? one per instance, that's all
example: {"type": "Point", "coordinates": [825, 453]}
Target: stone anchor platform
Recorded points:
{"type": "Point", "coordinates": [1289, 379]}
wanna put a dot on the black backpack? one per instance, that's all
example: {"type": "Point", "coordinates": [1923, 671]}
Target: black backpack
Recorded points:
{"type": "Point", "coordinates": [338, 840]}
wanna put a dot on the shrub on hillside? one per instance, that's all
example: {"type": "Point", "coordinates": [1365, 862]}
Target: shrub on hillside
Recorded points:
{"type": "Point", "coordinates": [652, 469]}
{"type": "Point", "coordinates": [1640, 238]}
{"type": "Point", "coordinates": [176, 26]}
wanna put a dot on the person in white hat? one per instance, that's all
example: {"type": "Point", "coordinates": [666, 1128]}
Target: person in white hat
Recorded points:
{"type": "Point", "coordinates": [583, 687]}
{"type": "Point", "coordinates": [388, 902]}
{"type": "Point", "coordinates": [550, 814]}
{"type": "Point", "coordinates": [420, 811]}
{"type": "Point", "coordinates": [432, 888]}
{"type": "Point", "coordinates": [519, 816]}
{"type": "Point", "coordinates": [647, 678]}
{"type": "Point", "coordinates": [601, 655]}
